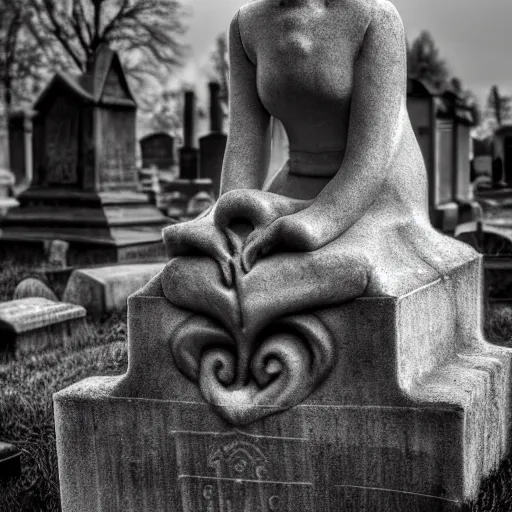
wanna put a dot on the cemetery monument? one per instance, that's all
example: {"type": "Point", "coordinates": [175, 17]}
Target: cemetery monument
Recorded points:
{"type": "Point", "coordinates": [315, 345]}
{"type": "Point", "coordinates": [213, 145]}
{"type": "Point", "coordinates": [84, 188]}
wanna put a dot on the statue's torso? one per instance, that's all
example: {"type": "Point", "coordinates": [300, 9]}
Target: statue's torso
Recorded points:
{"type": "Point", "coordinates": [304, 54]}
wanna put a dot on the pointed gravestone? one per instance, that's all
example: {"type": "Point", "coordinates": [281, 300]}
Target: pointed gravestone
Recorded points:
{"type": "Point", "coordinates": [85, 187]}
{"type": "Point", "coordinates": [213, 145]}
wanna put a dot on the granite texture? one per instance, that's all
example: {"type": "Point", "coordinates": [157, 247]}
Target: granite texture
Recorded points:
{"type": "Point", "coordinates": [315, 345]}
{"type": "Point", "coordinates": [346, 217]}
{"type": "Point", "coordinates": [105, 289]}
{"type": "Point", "coordinates": [414, 413]}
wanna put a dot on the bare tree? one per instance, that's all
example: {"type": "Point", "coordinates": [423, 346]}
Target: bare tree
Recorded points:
{"type": "Point", "coordinates": [21, 59]}
{"type": "Point", "coordinates": [468, 100]}
{"type": "Point", "coordinates": [146, 33]}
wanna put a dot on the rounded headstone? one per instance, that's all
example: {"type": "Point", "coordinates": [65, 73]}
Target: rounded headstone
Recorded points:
{"type": "Point", "coordinates": [32, 287]}
{"type": "Point", "coordinates": [199, 203]}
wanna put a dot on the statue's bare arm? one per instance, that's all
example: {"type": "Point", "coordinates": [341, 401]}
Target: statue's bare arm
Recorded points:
{"type": "Point", "coordinates": [377, 118]}
{"type": "Point", "coordinates": [248, 146]}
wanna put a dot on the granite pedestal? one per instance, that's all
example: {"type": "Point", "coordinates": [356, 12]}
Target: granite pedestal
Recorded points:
{"type": "Point", "coordinates": [414, 414]}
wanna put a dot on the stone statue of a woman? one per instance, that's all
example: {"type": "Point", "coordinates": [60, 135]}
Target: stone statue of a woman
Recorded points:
{"type": "Point", "coordinates": [346, 217]}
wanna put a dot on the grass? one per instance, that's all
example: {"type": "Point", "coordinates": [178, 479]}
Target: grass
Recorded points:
{"type": "Point", "coordinates": [26, 409]}
{"type": "Point", "coordinates": [26, 388]}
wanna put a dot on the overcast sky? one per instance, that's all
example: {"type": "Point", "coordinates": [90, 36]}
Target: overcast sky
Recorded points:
{"type": "Point", "coordinates": [474, 36]}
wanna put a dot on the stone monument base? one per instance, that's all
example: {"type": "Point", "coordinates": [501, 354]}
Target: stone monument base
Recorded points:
{"type": "Point", "coordinates": [105, 227]}
{"type": "Point", "coordinates": [415, 413]}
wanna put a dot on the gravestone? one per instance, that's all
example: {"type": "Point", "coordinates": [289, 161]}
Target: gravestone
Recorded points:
{"type": "Point", "coordinates": [461, 118]}
{"type": "Point", "coordinates": [189, 154]}
{"type": "Point", "coordinates": [10, 462]}
{"type": "Point", "coordinates": [105, 289]}
{"type": "Point", "coordinates": [199, 203]}
{"type": "Point", "coordinates": [175, 195]}
{"type": "Point", "coordinates": [213, 145]}
{"type": "Point", "coordinates": [36, 324]}
{"type": "Point", "coordinates": [502, 151]}
{"type": "Point", "coordinates": [33, 287]}
{"type": "Point", "coordinates": [7, 199]}
{"type": "Point", "coordinates": [84, 189]}
{"type": "Point", "coordinates": [157, 151]}
{"type": "Point", "coordinates": [57, 253]}
{"type": "Point", "coordinates": [20, 146]}
{"type": "Point", "coordinates": [435, 138]}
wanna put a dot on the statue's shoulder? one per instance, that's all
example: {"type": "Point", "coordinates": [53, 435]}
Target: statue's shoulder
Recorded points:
{"type": "Point", "coordinates": [372, 11]}
{"type": "Point", "coordinates": [375, 19]}
{"type": "Point", "coordinates": [251, 15]}
{"type": "Point", "coordinates": [250, 20]}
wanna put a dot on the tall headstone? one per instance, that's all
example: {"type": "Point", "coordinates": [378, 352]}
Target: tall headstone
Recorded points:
{"type": "Point", "coordinates": [502, 152]}
{"type": "Point", "coordinates": [189, 154]}
{"type": "Point", "coordinates": [157, 150]}
{"type": "Point", "coordinates": [213, 145]}
{"type": "Point", "coordinates": [20, 146]}
{"type": "Point", "coordinates": [84, 189]}
{"type": "Point", "coordinates": [435, 140]}
{"type": "Point", "coordinates": [462, 118]}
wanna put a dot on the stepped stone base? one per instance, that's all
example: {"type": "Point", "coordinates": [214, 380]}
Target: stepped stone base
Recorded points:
{"type": "Point", "coordinates": [416, 412]}
{"type": "Point", "coordinates": [104, 227]}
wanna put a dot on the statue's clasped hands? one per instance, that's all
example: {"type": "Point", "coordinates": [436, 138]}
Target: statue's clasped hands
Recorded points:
{"type": "Point", "coordinates": [246, 225]}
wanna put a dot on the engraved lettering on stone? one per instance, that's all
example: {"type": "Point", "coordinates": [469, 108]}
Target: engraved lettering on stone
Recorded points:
{"type": "Point", "coordinates": [239, 467]}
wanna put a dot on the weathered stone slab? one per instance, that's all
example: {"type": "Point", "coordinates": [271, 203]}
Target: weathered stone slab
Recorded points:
{"type": "Point", "coordinates": [413, 415]}
{"type": "Point", "coordinates": [36, 324]}
{"type": "Point", "coordinates": [10, 462]}
{"type": "Point", "coordinates": [102, 290]}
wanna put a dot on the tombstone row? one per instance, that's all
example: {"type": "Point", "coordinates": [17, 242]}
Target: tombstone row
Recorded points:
{"type": "Point", "coordinates": [84, 187]}
{"type": "Point", "coordinates": [65, 153]}
{"type": "Point", "coordinates": [203, 162]}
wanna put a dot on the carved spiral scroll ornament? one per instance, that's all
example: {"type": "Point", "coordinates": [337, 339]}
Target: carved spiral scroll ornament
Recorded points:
{"type": "Point", "coordinates": [249, 358]}
{"type": "Point", "coordinates": [288, 360]}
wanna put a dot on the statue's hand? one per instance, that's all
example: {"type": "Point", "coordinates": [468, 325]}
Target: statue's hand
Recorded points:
{"type": "Point", "coordinates": [200, 236]}
{"type": "Point", "coordinates": [304, 231]}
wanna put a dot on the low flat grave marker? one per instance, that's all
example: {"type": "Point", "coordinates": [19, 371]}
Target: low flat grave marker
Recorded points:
{"type": "Point", "coordinates": [35, 324]}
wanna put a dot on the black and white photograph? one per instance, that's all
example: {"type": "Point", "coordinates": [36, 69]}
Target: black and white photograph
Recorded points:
{"type": "Point", "coordinates": [255, 256]}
